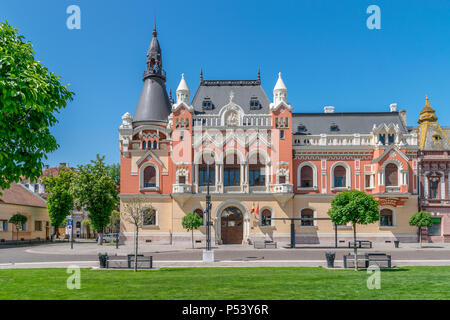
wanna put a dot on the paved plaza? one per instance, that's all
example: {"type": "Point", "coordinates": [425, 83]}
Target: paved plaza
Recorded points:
{"type": "Point", "coordinates": [85, 254]}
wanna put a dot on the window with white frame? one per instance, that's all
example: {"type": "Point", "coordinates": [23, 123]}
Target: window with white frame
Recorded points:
{"type": "Point", "coordinates": [386, 218]}
{"type": "Point", "coordinates": [149, 217]}
{"type": "Point", "coordinates": [391, 175]}
{"type": "Point", "coordinates": [307, 213]}
{"type": "Point", "coordinates": [266, 218]}
{"type": "Point", "coordinates": [339, 176]}
{"type": "Point", "coordinates": [3, 225]}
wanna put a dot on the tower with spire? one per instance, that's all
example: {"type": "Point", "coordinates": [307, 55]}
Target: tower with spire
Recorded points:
{"type": "Point", "coordinates": [154, 103]}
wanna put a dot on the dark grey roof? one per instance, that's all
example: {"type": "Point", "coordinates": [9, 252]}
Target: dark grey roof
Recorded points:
{"type": "Point", "coordinates": [219, 93]}
{"type": "Point", "coordinates": [154, 102]}
{"type": "Point", "coordinates": [346, 122]}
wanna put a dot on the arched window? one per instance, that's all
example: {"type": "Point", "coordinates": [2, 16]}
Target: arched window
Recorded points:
{"type": "Point", "coordinates": [150, 177]}
{"type": "Point", "coordinates": [155, 144]}
{"type": "Point", "coordinates": [257, 171]}
{"type": "Point", "coordinates": [144, 145]}
{"type": "Point", "coordinates": [266, 218]}
{"type": "Point", "coordinates": [306, 176]}
{"type": "Point", "coordinates": [386, 218]}
{"type": "Point", "coordinates": [232, 171]}
{"type": "Point", "coordinates": [307, 213]}
{"type": "Point", "coordinates": [203, 169]}
{"type": "Point", "coordinates": [391, 173]}
{"type": "Point", "coordinates": [200, 213]}
{"type": "Point", "coordinates": [78, 225]}
{"type": "Point", "coordinates": [149, 217]}
{"type": "Point", "coordinates": [339, 177]}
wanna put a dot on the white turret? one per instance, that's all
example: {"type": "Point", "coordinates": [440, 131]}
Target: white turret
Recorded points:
{"type": "Point", "coordinates": [280, 91]}
{"type": "Point", "coordinates": [183, 91]}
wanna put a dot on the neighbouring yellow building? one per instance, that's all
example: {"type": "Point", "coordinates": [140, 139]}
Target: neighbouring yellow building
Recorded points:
{"type": "Point", "coordinates": [18, 199]}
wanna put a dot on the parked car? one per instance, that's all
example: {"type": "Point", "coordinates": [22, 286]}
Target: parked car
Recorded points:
{"type": "Point", "coordinates": [108, 237]}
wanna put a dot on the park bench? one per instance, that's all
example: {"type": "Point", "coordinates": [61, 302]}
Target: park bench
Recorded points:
{"type": "Point", "coordinates": [349, 260]}
{"type": "Point", "coordinates": [266, 244]}
{"type": "Point", "coordinates": [128, 262]}
{"type": "Point", "coordinates": [376, 258]}
{"type": "Point", "coordinates": [365, 260]}
{"type": "Point", "coordinates": [360, 244]}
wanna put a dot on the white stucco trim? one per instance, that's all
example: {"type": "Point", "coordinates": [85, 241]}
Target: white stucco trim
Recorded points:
{"type": "Point", "coordinates": [299, 177]}
{"type": "Point", "coordinates": [348, 179]}
{"type": "Point", "coordinates": [141, 177]}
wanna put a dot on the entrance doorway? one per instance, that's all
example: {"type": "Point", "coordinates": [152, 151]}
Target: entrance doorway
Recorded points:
{"type": "Point", "coordinates": [232, 229]}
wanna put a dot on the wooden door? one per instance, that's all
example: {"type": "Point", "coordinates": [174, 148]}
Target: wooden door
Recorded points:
{"type": "Point", "coordinates": [232, 226]}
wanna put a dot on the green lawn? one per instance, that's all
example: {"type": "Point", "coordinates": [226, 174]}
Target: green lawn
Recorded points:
{"type": "Point", "coordinates": [226, 283]}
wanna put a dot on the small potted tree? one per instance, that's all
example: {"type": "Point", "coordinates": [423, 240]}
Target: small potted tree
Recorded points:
{"type": "Point", "coordinates": [191, 222]}
{"type": "Point", "coordinates": [420, 219]}
{"type": "Point", "coordinates": [18, 220]}
{"type": "Point", "coordinates": [356, 207]}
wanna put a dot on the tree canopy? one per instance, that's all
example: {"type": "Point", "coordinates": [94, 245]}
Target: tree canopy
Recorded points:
{"type": "Point", "coordinates": [30, 96]}
{"type": "Point", "coordinates": [95, 189]}
{"type": "Point", "coordinates": [421, 219]}
{"type": "Point", "coordinates": [60, 198]}
{"type": "Point", "coordinates": [354, 206]}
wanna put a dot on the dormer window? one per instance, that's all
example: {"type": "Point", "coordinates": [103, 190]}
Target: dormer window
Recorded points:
{"type": "Point", "coordinates": [391, 138]}
{"type": "Point", "coordinates": [334, 127]}
{"type": "Point", "coordinates": [207, 104]}
{"type": "Point", "coordinates": [254, 104]}
{"type": "Point", "coordinates": [301, 128]}
{"type": "Point", "coordinates": [382, 138]}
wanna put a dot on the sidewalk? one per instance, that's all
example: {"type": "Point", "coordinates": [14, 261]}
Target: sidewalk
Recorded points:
{"type": "Point", "coordinates": [89, 248]}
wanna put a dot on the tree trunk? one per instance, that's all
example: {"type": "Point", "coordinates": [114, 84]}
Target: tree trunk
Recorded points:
{"type": "Point", "coordinates": [136, 249]}
{"type": "Point", "coordinates": [355, 249]}
{"type": "Point", "coordinates": [192, 230]}
{"type": "Point", "coordinates": [100, 236]}
{"type": "Point", "coordinates": [420, 236]}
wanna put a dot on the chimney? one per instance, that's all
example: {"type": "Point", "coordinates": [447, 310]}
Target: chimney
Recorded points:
{"type": "Point", "coordinates": [46, 167]}
{"type": "Point", "coordinates": [62, 164]}
{"type": "Point", "coordinates": [328, 109]}
{"type": "Point", "coordinates": [393, 107]}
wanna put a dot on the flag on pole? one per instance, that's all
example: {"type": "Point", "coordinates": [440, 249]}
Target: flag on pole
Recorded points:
{"type": "Point", "coordinates": [257, 210]}
{"type": "Point", "coordinates": [253, 208]}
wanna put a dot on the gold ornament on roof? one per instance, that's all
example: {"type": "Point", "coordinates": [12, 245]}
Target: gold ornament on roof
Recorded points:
{"type": "Point", "coordinates": [427, 114]}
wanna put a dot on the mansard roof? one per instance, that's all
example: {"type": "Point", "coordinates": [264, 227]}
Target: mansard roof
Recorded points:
{"type": "Point", "coordinates": [344, 122]}
{"type": "Point", "coordinates": [218, 92]}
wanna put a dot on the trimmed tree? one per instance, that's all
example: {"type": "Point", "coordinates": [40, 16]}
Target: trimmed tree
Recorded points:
{"type": "Point", "coordinates": [18, 220]}
{"type": "Point", "coordinates": [96, 190]}
{"type": "Point", "coordinates": [30, 96]}
{"type": "Point", "coordinates": [356, 207]}
{"type": "Point", "coordinates": [137, 212]}
{"type": "Point", "coordinates": [191, 222]}
{"type": "Point", "coordinates": [420, 219]}
{"type": "Point", "coordinates": [60, 197]}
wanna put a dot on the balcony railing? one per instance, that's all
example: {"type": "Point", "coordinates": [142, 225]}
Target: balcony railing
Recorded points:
{"type": "Point", "coordinates": [282, 188]}
{"type": "Point", "coordinates": [181, 188]}
{"type": "Point", "coordinates": [392, 189]}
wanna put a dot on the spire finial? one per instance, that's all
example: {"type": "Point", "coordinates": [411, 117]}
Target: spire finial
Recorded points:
{"type": "Point", "coordinates": [154, 27]}
{"type": "Point", "coordinates": [259, 74]}
{"type": "Point", "coordinates": [201, 75]}
{"type": "Point", "coordinates": [427, 114]}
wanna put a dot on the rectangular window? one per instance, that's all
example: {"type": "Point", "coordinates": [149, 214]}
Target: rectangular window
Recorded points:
{"type": "Point", "coordinates": [369, 178]}
{"type": "Point", "coordinates": [282, 179]}
{"type": "Point", "coordinates": [38, 226]}
{"type": "Point", "coordinates": [202, 176]}
{"type": "Point", "coordinates": [25, 227]}
{"type": "Point", "coordinates": [232, 176]}
{"type": "Point", "coordinates": [181, 179]}
{"type": "Point", "coordinates": [3, 225]}
{"type": "Point", "coordinates": [435, 229]}
{"type": "Point", "coordinates": [281, 134]}
{"type": "Point", "coordinates": [257, 177]}
{"type": "Point", "coordinates": [390, 138]}
{"type": "Point", "coordinates": [386, 221]}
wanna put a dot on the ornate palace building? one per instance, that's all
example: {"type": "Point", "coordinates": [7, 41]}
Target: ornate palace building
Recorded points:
{"type": "Point", "coordinates": [434, 172]}
{"type": "Point", "coordinates": [264, 162]}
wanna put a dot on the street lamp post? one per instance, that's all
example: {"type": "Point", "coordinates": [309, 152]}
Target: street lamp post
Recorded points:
{"type": "Point", "coordinates": [208, 254]}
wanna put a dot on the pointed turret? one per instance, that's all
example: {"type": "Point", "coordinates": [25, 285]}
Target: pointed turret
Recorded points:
{"type": "Point", "coordinates": [183, 91]}
{"type": "Point", "coordinates": [280, 91]}
{"type": "Point", "coordinates": [427, 114]}
{"type": "Point", "coordinates": [154, 103]}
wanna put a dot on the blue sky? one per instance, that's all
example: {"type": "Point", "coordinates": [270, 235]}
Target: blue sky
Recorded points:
{"type": "Point", "coordinates": [324, 50]}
